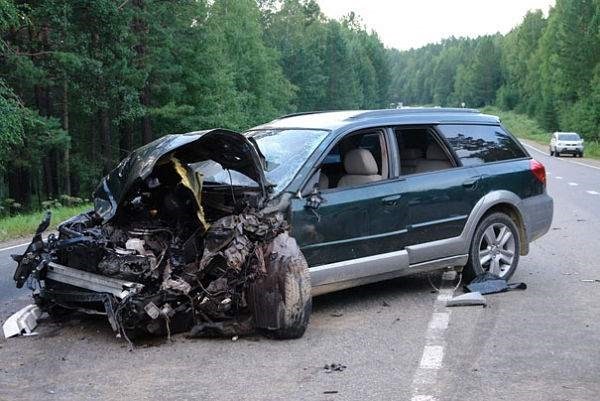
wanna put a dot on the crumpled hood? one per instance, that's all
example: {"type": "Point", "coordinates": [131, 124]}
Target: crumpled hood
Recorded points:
{"type": "Point", "coordinates": [230, 149]}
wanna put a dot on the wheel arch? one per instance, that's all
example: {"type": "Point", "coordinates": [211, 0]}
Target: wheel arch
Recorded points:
{"type": "Point", "coordinates": [501, 202]}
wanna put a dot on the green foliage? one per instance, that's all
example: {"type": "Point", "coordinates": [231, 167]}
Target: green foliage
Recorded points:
{"type": "Point", "coordinates": [83, 83]}
{"type": "Point", "coordinates": [527, 128]}
{"type": "Point", "coordinates": [547, 68]}
{"type": "Point", "coordinates": [24, 224]}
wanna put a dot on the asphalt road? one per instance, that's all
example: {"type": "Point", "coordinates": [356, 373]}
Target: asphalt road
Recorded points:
{"type": "Point", "coordinates": [538, 344]}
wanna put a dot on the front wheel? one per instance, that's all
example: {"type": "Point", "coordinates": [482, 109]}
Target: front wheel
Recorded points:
{"type": "Point", "coordinates": [282, 300]}
{"type": "Point", "coordinates": [494, 248]}
{"type": "Point", "coordinates": [551, 152]}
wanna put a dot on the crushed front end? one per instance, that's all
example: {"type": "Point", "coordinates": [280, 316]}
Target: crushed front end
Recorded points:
{"type": "Point", "coordinates": [167, 251]}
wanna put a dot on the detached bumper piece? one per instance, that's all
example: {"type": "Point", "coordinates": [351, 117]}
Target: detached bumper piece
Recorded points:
{"type": "Point", "coordinates": [22, 322]}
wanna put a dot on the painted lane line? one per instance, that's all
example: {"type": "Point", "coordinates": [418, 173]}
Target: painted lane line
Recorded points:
{"type": "Point", "coordinates": [558, 177]}
{"type": "Point", "coordinates": [573, 184]}
{"type": "Point", "coordinates": [561, 160]}
{"type": "Point", "coordinates": [14, 246]}
{"type": "Point", "coordinates": [593, 192]}
{"type": "Point", "coordinates": [425, 377]}
{"type": "Point", "coordinates": [423, 398]}
{"type": "Point", "coordinates": [439, 321]}
{"type": "Point", "coordinates": [432, 357]}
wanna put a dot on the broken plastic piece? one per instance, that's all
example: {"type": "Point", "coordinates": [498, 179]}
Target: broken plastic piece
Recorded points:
{"type": "Point", "coordinates": [488, 283]}
{"type": "Point", "coordinates": [469, 299]}
{"type": "Point", "coordinates": [22, 322]}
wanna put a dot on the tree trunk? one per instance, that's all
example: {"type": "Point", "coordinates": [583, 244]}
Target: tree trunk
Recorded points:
{"type": "Point", "coordinates": [140, 27]}
{"type": "Point", "coordinates": [107, 161]}
{"type": "Point", "coordinates": [67, 151]}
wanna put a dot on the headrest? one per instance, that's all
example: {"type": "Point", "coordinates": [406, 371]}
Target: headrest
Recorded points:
{"type": "Point", "coordinates": [360, 162]}
{"type": "Point", "coordinates": [411, 154]}
{"type": "Point", "coordinates": [434, 152]}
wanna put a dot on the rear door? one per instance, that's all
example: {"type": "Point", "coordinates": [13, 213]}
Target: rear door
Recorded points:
{"type": "Point", "coordinates": [440, 200]}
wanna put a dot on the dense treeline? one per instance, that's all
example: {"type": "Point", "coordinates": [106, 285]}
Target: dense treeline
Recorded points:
{"type": "Point", "coordinates": [546, 67]}
{"type": "Point", "coordinates": [84, 82]}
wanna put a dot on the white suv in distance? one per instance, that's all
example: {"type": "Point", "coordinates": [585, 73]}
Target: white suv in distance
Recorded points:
{"type": "Point", "coordinates": [566, 142]}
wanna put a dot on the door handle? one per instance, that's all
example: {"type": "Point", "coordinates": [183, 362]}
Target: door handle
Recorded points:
{"type": "Point", "coordinates": [391, 200]}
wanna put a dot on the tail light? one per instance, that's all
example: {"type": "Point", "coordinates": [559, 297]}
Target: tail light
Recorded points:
{"type": "Point", "coordinates": [538, 170]}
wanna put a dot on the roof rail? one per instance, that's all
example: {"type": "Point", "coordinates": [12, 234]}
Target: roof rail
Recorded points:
{"type": "Point", "coordinates": [302, 113]}
{"type": "Point", "coordinates": [411, 110]}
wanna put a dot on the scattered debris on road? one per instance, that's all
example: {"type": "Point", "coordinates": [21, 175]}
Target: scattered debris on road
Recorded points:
{"type": "Point", "coordinates": [488, 283]}
{"type": "Point", "coordinates": [22, 322]}
{"type": "Point", "coordinates": [334, 367]}
{"type": "Point", "coordinates": [468, 299]}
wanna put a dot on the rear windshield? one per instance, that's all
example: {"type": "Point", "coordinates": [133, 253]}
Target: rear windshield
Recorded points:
{"type": "Point", "coordinates": [285, 152]}
{"type": "Point", "coordinates": [478, 144]}
{"type": "Point", "coordinates": [568, 137]}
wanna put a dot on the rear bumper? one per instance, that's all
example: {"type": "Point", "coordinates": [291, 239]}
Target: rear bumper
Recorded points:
{"type": "Point", "coordinates": [537, 212]}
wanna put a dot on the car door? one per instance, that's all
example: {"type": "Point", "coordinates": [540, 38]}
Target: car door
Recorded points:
{"type": "Point", "coordinates": [351, 222]}
{"type": "Point", "coordinates": [439, 202]}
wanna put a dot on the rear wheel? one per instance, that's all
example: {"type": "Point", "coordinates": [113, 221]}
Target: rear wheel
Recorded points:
{"type": "Point", "coordinates": [494, 247]}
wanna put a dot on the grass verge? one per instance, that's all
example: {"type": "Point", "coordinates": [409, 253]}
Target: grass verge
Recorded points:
{"type": "Point", "coordinates": [22, 225]}
{"type": "Point", "coordinates": [524, 127]}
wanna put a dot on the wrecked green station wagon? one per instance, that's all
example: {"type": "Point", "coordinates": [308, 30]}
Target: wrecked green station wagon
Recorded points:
{"type": "Point", "coordinates": [221, 233]}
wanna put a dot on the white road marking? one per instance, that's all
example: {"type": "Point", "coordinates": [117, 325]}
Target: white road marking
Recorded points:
{"type": "Point", "coordinates": [573, 184]}
{"type": "Point", "coordinates": [558, 177]}
{"type": "Point", "coordinates": [432, 357]}
{"type": "Point", "coordinates": [559, 159]}
{"type": "Point", "coordinates": [593, 192]}
{"type": "Point", "coordinates": [424, 380]}
{"type": "Point", "coordinates": [423, 398]}
{"type": "Point", "coordinates": [14, 246]}
{"type": "Point", "coordinates": [439, 321]}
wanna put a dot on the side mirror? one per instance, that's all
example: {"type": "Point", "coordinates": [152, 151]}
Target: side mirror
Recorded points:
{"type": "Point", "coordinates": [314, 199]}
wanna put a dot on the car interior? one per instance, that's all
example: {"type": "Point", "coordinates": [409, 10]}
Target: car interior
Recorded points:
{"type": "Point", "coordinates": [362, 158]}
{"type": "Point", "coordinates": [357, 159]}
{"type": "Point", "coordinates": [420, 152]}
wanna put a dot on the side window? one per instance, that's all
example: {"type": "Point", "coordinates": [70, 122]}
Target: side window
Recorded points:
{"type": "Point", "coordinates": [478, 144]}
{"type": "Point", "coordinates": [420, 151]}
{"type": "Point", "coordinates": [357, 159]}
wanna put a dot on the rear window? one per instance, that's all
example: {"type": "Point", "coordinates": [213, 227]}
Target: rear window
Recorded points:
{"type": "Point", "coordinates": [478, 144]}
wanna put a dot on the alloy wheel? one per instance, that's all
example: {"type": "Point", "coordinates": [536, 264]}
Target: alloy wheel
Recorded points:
{"type": "Point", "coordinates": [497, 249]}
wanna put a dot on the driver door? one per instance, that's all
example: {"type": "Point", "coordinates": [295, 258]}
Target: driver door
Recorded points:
{"type": "Point", "coordinates": [353, 226]}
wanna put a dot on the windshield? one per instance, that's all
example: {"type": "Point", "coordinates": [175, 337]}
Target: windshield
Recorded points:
{"type": "Point", "coordinates": [568, 137]}
{"type": "Point", "coordinates": [285, 151]}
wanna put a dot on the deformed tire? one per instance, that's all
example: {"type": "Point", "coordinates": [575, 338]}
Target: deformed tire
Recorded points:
{"type": "Point", "coordinates": [494, 248]}
{"type": "Point", "coordinates": [281, 301]}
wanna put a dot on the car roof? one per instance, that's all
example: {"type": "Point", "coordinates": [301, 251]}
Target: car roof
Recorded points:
{"type": "Point", "coordinates": [333, 120]}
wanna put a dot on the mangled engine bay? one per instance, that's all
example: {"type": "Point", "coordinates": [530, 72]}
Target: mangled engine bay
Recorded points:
{"type": "Point", "coordinates": [167, 251]}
